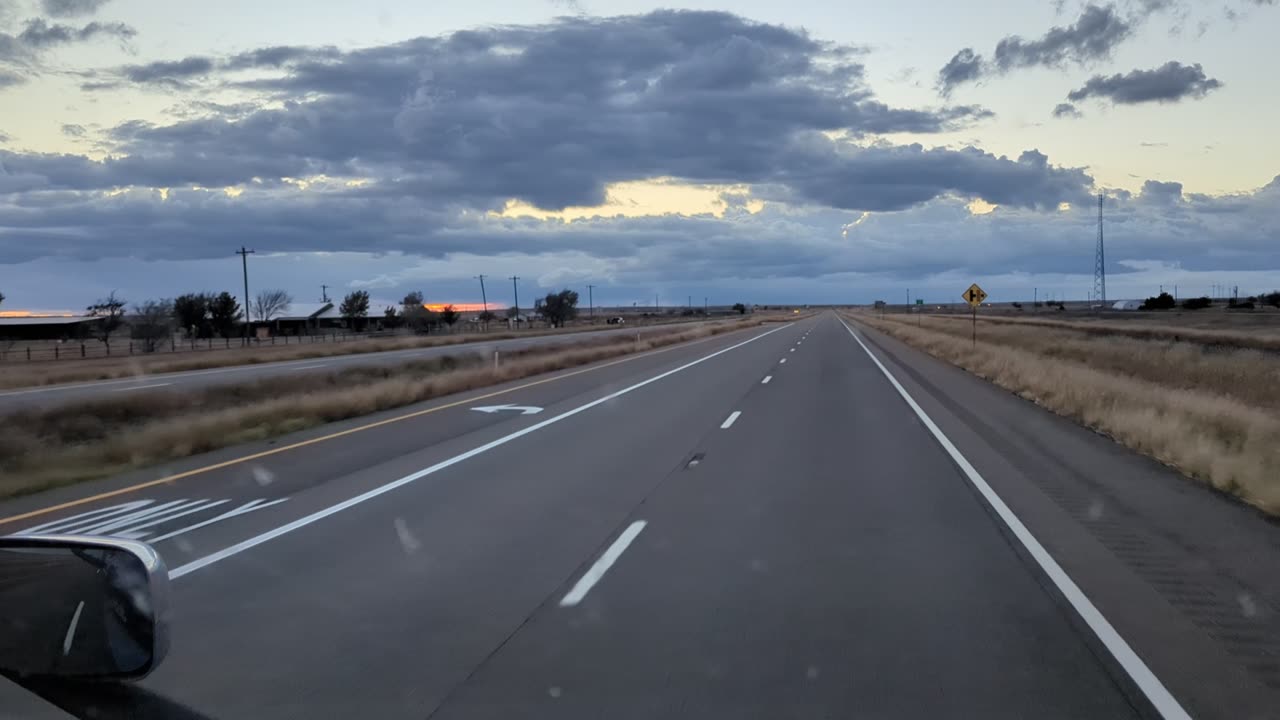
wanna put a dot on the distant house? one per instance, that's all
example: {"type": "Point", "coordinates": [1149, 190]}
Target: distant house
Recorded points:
{"type": "Point", "coordinates": [304, 318]}
{"type": "Point", "coordinates": [48, 328]}
{"type": "Point", "coordinates": [1127, 305]}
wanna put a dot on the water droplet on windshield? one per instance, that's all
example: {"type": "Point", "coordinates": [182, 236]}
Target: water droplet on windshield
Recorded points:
{"type": "Point", "coordinates": [1247, 606]}
{"type": "Point", "coordinates": [262, 476]}
{"type": "Point", "coordinates": [407, 540]}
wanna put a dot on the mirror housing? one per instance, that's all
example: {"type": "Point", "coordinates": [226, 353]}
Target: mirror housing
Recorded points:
{"type": "Point", "coordinates": [81, 607]}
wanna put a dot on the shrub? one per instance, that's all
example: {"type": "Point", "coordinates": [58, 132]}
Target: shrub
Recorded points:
{"type": "Point", "coordinates": [1163, 301]}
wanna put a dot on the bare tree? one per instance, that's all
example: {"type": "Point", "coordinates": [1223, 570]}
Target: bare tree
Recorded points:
{"type": "Point", "coordinates": [152, 323]}
{"type": "Point", "coordinates": [111, 310]}
{"type": "Point", "coordinates": [270, 303]}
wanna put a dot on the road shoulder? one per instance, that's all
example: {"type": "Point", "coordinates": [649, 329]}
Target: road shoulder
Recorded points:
{"type": "Point", "coordinates": [1177, 568]}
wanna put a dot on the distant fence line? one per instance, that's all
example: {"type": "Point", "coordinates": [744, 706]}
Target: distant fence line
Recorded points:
{"type": "Point", "coordinates": [94, 349]}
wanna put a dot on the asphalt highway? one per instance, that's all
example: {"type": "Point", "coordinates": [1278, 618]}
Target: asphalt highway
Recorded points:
{"type": "Point", "coordinates": [792, 521]}
{"type": "Point", "coordinates": [68, 393]}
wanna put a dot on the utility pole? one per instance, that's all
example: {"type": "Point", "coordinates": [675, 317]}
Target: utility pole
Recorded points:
{"type": "Point", "coordinates": [324, 293]}
{"type": "Point", "coordinates": [515, 292]}
{"type": "Point", "coordinates": [1100, 262]}
{"type": "Point", "coordinates": [655, 303]}
{"type": "Point", "coordinates": [704, 306]}
{"type": "Point", "coordinates": [244, 262]}
{"type": "Point", "coordinates": [484, 299]}
{"type": "Point", "coordinates": [591, 301]}
{"type": "Point", "coordinates": [689, 303]}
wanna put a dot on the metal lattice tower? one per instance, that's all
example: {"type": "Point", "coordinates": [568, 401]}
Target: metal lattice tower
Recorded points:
{"type": "Point", "coordinates": [1100, 263]}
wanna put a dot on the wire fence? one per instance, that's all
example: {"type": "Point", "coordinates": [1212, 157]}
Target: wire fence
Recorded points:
{"type": "Point", "coordinates": [56, 350]}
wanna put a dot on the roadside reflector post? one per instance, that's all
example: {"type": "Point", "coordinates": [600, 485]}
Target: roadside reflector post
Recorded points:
{"type": "Point", "coordinates": [495, 359]}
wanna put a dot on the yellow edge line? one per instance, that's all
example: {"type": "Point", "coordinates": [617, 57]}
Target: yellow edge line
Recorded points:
{"type": "Point", "coordinates": [331, 436]}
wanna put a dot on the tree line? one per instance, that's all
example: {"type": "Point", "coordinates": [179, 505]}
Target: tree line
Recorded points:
{"type": "Point", "coordinates": [204, 315]}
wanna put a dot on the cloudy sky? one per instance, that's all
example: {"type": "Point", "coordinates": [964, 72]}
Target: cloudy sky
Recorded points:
{"type": "Point", "coordinates": [757, 151]}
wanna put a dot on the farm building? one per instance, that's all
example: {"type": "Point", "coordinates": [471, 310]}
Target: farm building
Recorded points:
{"type": "Point", "coordinates": [62, 327]}
{"type": "Point", "coordinates": [1127, 305]}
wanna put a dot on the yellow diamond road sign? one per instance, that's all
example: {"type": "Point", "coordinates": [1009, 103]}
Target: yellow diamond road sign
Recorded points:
{"type": "Point", "coordinates": [974, 295]}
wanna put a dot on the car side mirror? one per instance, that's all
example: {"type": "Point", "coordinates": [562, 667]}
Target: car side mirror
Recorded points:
{"type": "Point", "coordinates": [81, 607]}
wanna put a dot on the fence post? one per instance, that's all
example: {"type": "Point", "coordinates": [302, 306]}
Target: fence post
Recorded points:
{"type": "Point", "coordinates": [81, 349]}
{"type": "Point", "coordinates": [55, 352]}
{"type": "Point", "coordinates": [28, 354]}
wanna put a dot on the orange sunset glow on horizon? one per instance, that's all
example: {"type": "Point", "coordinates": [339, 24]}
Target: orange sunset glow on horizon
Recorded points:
{"type": "Point", "coordinates": [464, 307]}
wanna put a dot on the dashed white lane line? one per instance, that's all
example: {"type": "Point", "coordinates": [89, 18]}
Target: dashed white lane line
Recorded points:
{"type": "Point", "coordinates": [602, 565]}
{"type": "Point", "coordinates": [793, 349]}
{"type": "Point", "coordinates": [733, 418]}
{"type": "Point", "coordinates": [141, 387]}
{"type": "Point", "coordinates": [766, 379]}
{"type": "Point", "coordinates": [782, 361]}
{"type": "Point", "coordinates": [1142, 676]}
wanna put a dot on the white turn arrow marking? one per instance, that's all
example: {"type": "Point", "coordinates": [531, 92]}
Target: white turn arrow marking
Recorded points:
{"type": "Point", "coordinates": [524, 409]}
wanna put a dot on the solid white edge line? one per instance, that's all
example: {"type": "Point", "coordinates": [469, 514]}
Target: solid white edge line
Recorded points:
{"type": "Point", "coordinates": [766, 379]}
{"type": "Point", "coordinates": [602, 565]}
{"type": "Point", "coordinates": [1147, 682]}
{"type": "Point", "coordinates": [394, 484]}
{"type": "Point", "coordinates": [140, 387]}
{"type": "Point", "coordinates": [733, 418]}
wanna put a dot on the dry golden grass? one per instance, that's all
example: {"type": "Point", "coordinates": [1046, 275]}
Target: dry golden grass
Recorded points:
{"type": "Point", "coordinates": [1146, 326]}
{"type": "Point", "coordinates": [42, 448]}
{"type": "Point", "coordinates": [23, 374]}
{"type": "Point", "coordinates": [1211, 412]}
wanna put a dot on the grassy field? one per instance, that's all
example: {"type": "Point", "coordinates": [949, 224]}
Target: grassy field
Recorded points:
{"type": "Point", "coordinates": [44, 448]}
{"type": "Point", "coordinates": [1204, 401]}
{"type": "Point", "coordinates": [19, 374]}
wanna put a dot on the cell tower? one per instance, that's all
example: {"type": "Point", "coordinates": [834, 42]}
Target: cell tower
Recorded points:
{"type": "Point", "coordinates": [1100, 263]}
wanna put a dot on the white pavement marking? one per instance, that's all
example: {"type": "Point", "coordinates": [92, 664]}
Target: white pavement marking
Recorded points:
{"type": "Point", "coordinates": [602, 565]}
{"type": "Point", "coordinates": [733, 418]}
{"type": "Point", "coordinates": [793, 349]}
{"type": "Point", "coordinates": [412, 477]}
{"type": "Point", "coordinates": [141, 387]}
{"type": "Point", "coordinates": [1160, 697]}
{"type": "Point", "coordinates": [308, 367]}
{"type": "Point", "coordinates": [782, 360]}
{"type": "Point", "coordinates": [766, 379]}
